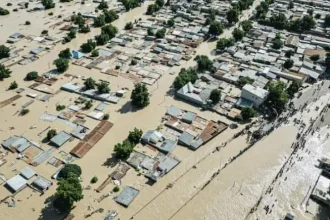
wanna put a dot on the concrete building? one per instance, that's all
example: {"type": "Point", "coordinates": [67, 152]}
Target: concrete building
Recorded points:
{"type": "Point", "coordinates": [254, 94]}
{"type": "Point", "coordinates": [127, 196]}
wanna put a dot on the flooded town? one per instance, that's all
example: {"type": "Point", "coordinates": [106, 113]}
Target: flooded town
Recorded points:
{"type": "Point", "coordinates": [166, 109]}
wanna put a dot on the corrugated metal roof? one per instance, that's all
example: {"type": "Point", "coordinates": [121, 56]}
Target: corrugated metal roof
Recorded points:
{"type": "Point", "coordinates": [127, 196]}
{"type": "Point", "coordinates": [27, 173]}
{"type": "Point", "coordinates": [16, 183]}
{"type": "Point", "coordinates": [60, 138]}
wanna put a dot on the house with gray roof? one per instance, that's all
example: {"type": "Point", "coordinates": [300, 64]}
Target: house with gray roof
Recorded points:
{"type": "Point", "coordinates": [60, 139]}
{"type": "Point", "coordinates": [157, 140]}
{"type": "Point", "coordinates": [127, 196]}
{"type": "Point", "coordinates": [192, 94]}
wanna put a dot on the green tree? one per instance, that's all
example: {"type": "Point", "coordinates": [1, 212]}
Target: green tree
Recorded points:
{"type": "Point", "coordinates": [88, 46]}
{"type": "Point", "coordinates": [327, 20]}
{"type": "Point", "coordinates": [310, 11]}
{"type": "Point", "coordinates": [110, 30]}
{"type": "Point", "coordinates": [160, 3]}
{"type": "Point", "coordinates": [292, 89]}
{"type": "Point", "coordinates": [232, 16]}
{"type": "Point", "coordinates": [88, 104]}
{"type": "Point", "coordinates": [70, 169]}
{"type": "Point", "coordinates": [103, 87]}
{"type": "Point", "coordinates": [215, 96]}
{"type": "Point", "coordinates": [291, 5]}
{"type": "Point", "coordinates": [170, 22]}
{"type": "Point", "coordinates": [51, 133]}
{"type": "Point", "coordinates": [135, 136]}
{"type": "Point", "coordinates": [95, 53]}
{"type": "Point", "coordinates": [279, 21]}
{"type": "Point", "coordinates": [185, 76]}
{"type": "Point", "coordinates": [116, 189]}
{"type": "Point", "coordinates": [48, 4]}
{"type": "Point", "coordinates": [4, 12]}
{"type": "Point", "coordinates": [150, 32]}
{"type": "Point", "coordinates": [94, 180]}
{"type": "Point", "coordinates": [99, 21]}
{"type": "Point", "coordinates": [90, 83]}
{"type": "Point", "coordinates": [238, 34]}
{"type": "Point", "coordinates": [4, 72]}
{"type": "Point", "coordinates": [247, 114]}
{"type": "Point", "coordinates": [161, 33]}
{"type": "Point", "coordinates": [307, 23]}
{"type": "Point", "coordinates": [72, 34]}
{"type": "Point", "coordinates": [103, 5]}
{"type": "Point", "coordinates": [32, 75]}
{"type": "Point", "coordinates": [140, 95]}
{"type": "Point", "coordinates": [78, 20]}
{"type": "Point", "coordinates": [317, 16]}
{"type": "Point", "coordinates": [204, 63]}
{"type": "Point", "coordinates": [4, 51]}
{"type": "Point", "coordinates": [133, 62]}
{"type": "Point", "coordinates": [129, 26]}
{"type": "Point", "coordinates": [277, 42]}
{"type": "Point", "coordinates": [110, 16]}
{"type": "Point", "coordinates": [215, 28]}
{"type": "Point", "coordinates": [24, 111]}
{"type": "Point", "coordinates": [61, 64]}
{"type": "Point", "coordinates": [123, 150]}
{"type": "Point", "coordinates": [288, 64]}
{"type": "Point", "coordinates": [85, 29]}
{"type": "Point", "coordinates": [69, 190]}
{"type": "Point", "coordinates": [315, 57]}
{"type": "Point", "coordinates": [277, 97]}
{"type": "Point", "coordinates": [289, 53]}
{"type": "Point", "coordinates": [65, 54]}
{"type": "Point", "coordinates": [245, 80]}
{"type": "Point", "coordinates": [13, 85]}
{"type": "Point", "coordinates": [223, 43]}
{"type": "Point", "coordinates": [246, 25]}
{"type": "Point", "coordinates": [152, 8]}
{"type": "Point", "coordinates": [102, 39]}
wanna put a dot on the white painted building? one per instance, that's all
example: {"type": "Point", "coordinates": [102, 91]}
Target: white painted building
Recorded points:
{"type": "Point", "coordinates": [254, 94]}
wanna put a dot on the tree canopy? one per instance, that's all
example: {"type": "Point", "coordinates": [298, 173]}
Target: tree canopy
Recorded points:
{"type": "Point", "coordinates": [4, 11]}
{"type": "Point", "coordinates": [90, 83]}
{"type": "Point", "coordinates": [51, 133]}
{"type": "Point", "coordinates": [238, 34]}
{"type": "Point", "coordinates": [288, 64]}
{"type": "Point", "coordinates": [110, 16]}
{"type": "Point", "coordinates": [110, 30]}
{"type": "Point", "coordinates": [140, 95]}
{"type": "Point", "coordinates": [277, 42]}
{"type": "Point", "coordinates": [103, 87]}
{"type": "Point", "coordinates": [4, 51]}
{"type": "Point", "coordinates": [99, 21]}
{"type": "Point", "coordinates": [88, 46]}
{"type": "Point", "coordinates": [204, 63]}
{"type": "Point", "coordinates": [160, 33]}
{"type": "Point", "coordinates": [4, 72]}
{"type": "Point", "coordinates": [69, 190]}
{"type": "Point", "coordinates": [246, 25]}
{"type": "Point", "coordinates": [185, 76]}
{"type": "Point", "coordinates": [223, 43]}
{"type": "Point", "coordinates": [245, 80]}
{"type": "Point", "coordinates": [232, 16]}
{"type": "Point", "coordinates": [48, 4]}
{"type": "Point", "coordinates": [277, 97]}
{"type": "Point", "coordinates": [66, 54]}
{"type": "Point", "coordinates": [31, 75]}
{"type": "Point", "coordinates": [327, 20]}
{"type": "Point", "coordinates": [170, 22]}
{"type": "Point", "coordinates": [247, 114]}
{"type": "Point", "coordinates": [69, 169]}
{"type": "Point", "coordinates": [215, 28]}
{"type": "Point", "coordinates": [61, 64]}
{"type": "Point", "coordinates": [123, 150]}
{"type": "Point", "coordinates": [129, 26]}
{"type": "Point", "coordinates": [102, 39]}
{"type": "Point", "coordinates": [215, 96]}
{"type": "Point", "coordinates": [103, 5]}
{"type": "Point", "coordinates": [135, 136]}
{"type": "Point", "coordinates": [292, 89]}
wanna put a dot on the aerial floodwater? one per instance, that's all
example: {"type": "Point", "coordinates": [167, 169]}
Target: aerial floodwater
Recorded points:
{"type": "Point", "coordinates": [164, 110]}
